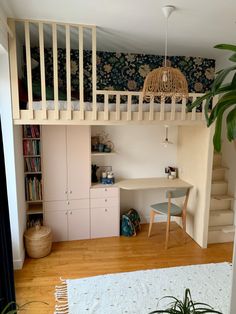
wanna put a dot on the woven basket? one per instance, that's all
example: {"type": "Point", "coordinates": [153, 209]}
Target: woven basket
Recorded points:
{"type": "Point", "coordinates": [38, 241]}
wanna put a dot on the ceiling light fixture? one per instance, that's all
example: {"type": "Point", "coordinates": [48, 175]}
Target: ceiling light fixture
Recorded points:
{"type": "Point", "coordinates": [166, 141]}
{"type": "Point", "coordinates": [165, 81]}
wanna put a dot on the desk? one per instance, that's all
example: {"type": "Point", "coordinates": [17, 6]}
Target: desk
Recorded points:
{"type": "Point", "coordinates": [152, 183]}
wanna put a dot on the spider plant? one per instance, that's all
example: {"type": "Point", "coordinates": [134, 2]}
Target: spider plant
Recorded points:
{"type": "Point", "coordinates": [226, 93]}
{"type": "Point", "coordinates": [187, 306]}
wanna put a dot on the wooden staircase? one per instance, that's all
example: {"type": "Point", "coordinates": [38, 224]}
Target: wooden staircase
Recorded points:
{"type": "Point", "coordinates": [221, 220]}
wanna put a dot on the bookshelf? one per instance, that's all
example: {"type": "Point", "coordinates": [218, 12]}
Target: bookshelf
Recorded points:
{"type": "Point", "coordinates": [33, 174]}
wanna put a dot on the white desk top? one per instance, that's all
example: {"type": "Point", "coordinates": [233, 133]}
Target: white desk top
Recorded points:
{"type": "Point", "coordinates": [152, 183]}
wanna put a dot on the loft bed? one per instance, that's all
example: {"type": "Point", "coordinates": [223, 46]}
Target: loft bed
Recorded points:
{"type": "Point", "coordinates": [47, 100]}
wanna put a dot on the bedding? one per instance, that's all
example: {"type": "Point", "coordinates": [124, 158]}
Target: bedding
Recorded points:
{"type": "Point", "coordinates": [88, 106]}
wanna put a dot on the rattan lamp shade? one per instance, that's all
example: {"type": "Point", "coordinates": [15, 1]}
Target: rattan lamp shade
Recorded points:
{"type": "Point", "coordinates": [165, 81]}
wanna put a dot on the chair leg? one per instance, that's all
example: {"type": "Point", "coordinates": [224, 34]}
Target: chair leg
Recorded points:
{"type": "Point", "coordinates": [152, 215]}
{"type": "Point", "coordinates": [167, 231]}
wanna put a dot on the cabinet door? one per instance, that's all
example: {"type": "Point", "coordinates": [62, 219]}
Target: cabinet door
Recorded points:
{"type": "Point", "coordinates": [105, 222]}
{"type": "Point", "coordinates": [54, 163]}
{"type": "Point", "coordinates": [78, 224]}
{"type": "Point", "coordinates": [57, 221]}
{"type": "Point", "coordinates": [78, 161]}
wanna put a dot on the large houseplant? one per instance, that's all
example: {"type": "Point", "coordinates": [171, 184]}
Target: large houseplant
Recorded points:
{"type": "Point", "coordinates": [187, 306]}
{"type": "Point", "coordinates": [227, 100]}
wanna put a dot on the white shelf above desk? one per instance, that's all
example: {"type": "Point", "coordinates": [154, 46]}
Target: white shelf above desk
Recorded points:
{"type": "Point", "coordinates": [152, 183]}
{"type": "Point", "coordinates": [103, 154]}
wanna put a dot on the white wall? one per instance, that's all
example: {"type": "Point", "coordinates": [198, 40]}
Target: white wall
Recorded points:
{"type": "Point", "coordinates": [140, 154]}
{"type": "Point", "coordinates": [194, 156]}
{"type": "Point", "coordinates": [14, 171]}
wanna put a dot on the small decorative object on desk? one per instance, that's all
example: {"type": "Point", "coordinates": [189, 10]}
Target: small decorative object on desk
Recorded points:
{"type": "Point", "coordinates": [107, 175]}
{"type": "Point", "coordinates": [101, 143]}
{"type": "Point", "coordinates": [172, 172]}
{"type": "Point", "coordinates": [107, 178]}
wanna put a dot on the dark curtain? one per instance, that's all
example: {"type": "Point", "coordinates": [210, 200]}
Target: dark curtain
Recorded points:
{"type": "Point", "coordinates": [7, 289]}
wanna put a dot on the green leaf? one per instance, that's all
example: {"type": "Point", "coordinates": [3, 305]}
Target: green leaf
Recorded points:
{"type": "Point", "coordinates": [206, 108]}
{"type": "Point", "coordinates": [199, 100]}
{"type": "Point", "coordinates": [225, 101]}
{"type": "Point", "coordinates": [231, 125]}
{"type": "Point", "coordinates": [233, 82]}
{"type": "Point", "coordinates": [220, 79]}
{"type": "Point", "coordinates": [226, 47]}
{"type": "Point", "coordinates": [218, 131]}
{"type": "Point", "coordinates": [233, 58]}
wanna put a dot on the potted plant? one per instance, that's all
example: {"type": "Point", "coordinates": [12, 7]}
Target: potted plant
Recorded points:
{"type": "Point", "coordinates": [187, 306]}
{"type": "Point", "coordinates": [226, 93]}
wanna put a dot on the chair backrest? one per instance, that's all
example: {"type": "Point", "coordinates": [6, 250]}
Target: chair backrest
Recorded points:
{"type": "Point", "coordinates": [176, 193]}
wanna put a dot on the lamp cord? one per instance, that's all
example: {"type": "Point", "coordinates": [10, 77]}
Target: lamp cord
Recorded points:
{"type": "Point", "coordinates": [166, 41]}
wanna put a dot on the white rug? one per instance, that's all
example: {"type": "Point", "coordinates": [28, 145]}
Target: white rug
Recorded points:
{"type": "Point", "coordinates": [138, 292]}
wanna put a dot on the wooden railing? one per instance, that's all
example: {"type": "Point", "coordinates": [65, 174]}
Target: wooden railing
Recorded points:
{"type": "Point", "coordinates": [81, 116]}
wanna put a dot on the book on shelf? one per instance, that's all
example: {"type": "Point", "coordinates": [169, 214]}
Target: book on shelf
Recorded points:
{"type": "Point", "coordinates": [31, 131]}
{"type": "Point", "coordinates": [31, 147]}
{"type": "Point", "coordinates": [32, 164]}
{"type": "Point", "coordinates": [33, 189]}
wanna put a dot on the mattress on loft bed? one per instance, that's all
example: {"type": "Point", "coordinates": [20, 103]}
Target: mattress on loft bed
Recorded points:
{"type": "Point", "coordinates": [88, 106]}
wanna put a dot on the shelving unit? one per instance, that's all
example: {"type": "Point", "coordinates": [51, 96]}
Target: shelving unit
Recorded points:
{"type": "Point", "coordinates": [33, 174]}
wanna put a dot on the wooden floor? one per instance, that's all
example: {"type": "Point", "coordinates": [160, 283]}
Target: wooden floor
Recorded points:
{"type": "Point", "coordinates": [76, 259]}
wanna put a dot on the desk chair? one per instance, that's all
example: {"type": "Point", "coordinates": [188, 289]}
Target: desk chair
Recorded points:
{"type": "Point", "coordinates": [170, 209]}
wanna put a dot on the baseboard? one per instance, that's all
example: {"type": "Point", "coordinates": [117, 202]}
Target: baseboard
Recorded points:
{"type": "Point", "coordinates": [18, 263]}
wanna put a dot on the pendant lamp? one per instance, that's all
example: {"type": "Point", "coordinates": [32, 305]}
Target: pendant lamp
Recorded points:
{"type": "Point", "coordinates": [165, 81]}
{"type": "Point", "coordinates": [166, 141]}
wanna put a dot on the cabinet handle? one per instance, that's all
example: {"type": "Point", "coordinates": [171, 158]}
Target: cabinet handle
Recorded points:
{"type": "Point", "coordinates": [65, 213]}
{"type": "Point", "coordinates": [65, 192]}
{"type": "Point", "coordinates": [105, 190]}
{"type": "Point", "coordinates": [106, 200]}
{"type": "Point", "coordinates": [70, 192]}
{"type": "Point", "coordinates": [105, 210]}
{"type": "Point", "coordinates": [68, 203]}
{"type": "Point", "coordinates": [70, 213]}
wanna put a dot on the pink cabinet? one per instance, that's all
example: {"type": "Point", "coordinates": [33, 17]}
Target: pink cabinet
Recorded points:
{"type": "Point", "coordinates": [78, 161]}
{"type": "Point", "coordinates": [66, 162]}
{"type": "Point", "coordinates": [57, 221]}
{"type": "Point", "coordinates": [105, 222]}
{"type": "Point", "coordinates": [54, 164]}
{"type": "Point", "coordinates": [67, 224]}
{"type": "Point", "coordinates": [105, 212]}
{"type": "Point", "coordinates": [78, 224]}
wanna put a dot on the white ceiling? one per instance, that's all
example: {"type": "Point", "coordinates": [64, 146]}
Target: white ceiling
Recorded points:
{"type": "Point", "coordinates": [139, 26]}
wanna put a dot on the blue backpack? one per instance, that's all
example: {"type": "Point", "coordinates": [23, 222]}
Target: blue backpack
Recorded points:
{"type": "Point", "coordinates": [130, 223]}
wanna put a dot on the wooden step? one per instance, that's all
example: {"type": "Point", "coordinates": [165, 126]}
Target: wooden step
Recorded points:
{"type": "Point", "coordinates": [218, 174]}
{"type": "Point", "coordinates": [219, 204]}
{"type": "Point", "coordinates": [221, 217]}
{"type": "Point", "coordinates": [219, 188]}
{"type": "Point", "coordinates": [217, 160]}
{"type": "Point", "coordinates": [221, 234]}
{"type": "Point", "coordinates": [223, 197]}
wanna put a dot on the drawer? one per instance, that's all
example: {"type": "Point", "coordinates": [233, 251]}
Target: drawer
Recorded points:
{"type": "Point", "coordinates": [104, 192]}
{"type": "Point", "coordinates": [78, 204]}
{"type": "Point", "coordinates": [104, 202]}
{"type": "Point", "coordinates": [105, 222]}
{"type": "Point", "coordinates": [54, 205]}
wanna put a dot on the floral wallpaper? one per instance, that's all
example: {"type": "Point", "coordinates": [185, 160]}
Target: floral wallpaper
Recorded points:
{"type": "Point", "coordinates": [120, 71]}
